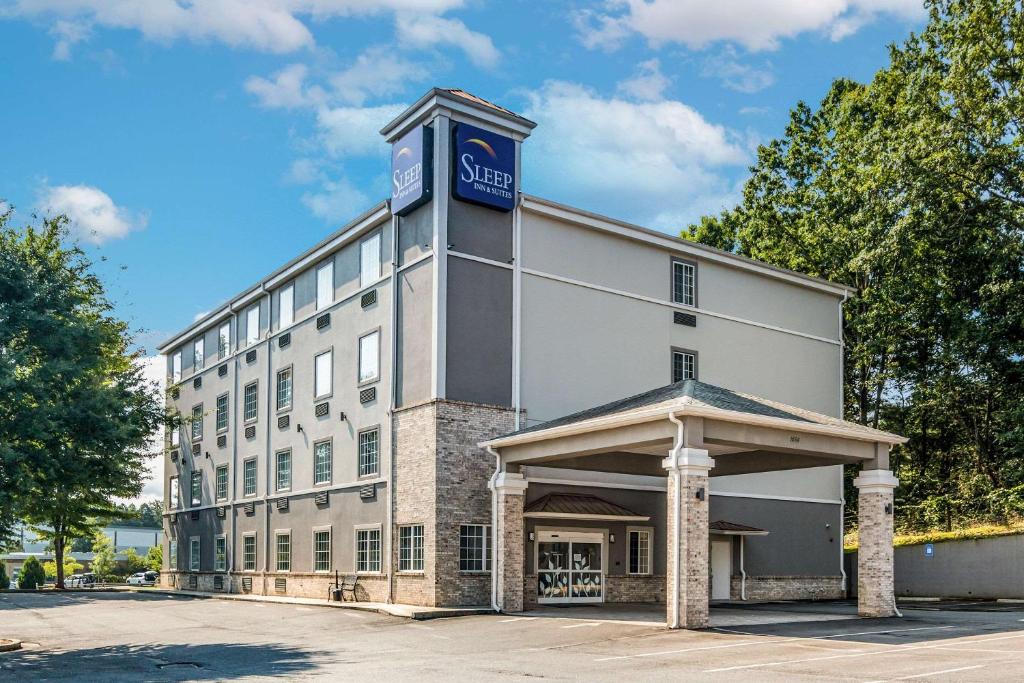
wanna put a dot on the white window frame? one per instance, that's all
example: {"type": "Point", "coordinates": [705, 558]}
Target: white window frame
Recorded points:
{"type": "Point", "coordinates": [286, 306]}
{"type": "Point", "coordinates": [193, 477]}
{"type": "Point", "coordinates": [278, 533]}
{"type": "Point", "coordinates": [197, 419]}
{"type": "Point", "coordinates": [330, 461]}
{"type": "Point", "coordinates": [359, 452]}
{"type": "Point", "coordinates": [255, 385]}
{"type": "Point", "coordinates": [325, 284]}
{"type": "Point", "coordinates": [277, 469]}
{"type": "Point", "coordinates": [277, 389]}
{"type": "Point", "coordinates": [408, 561]}
{"type": "Point", "coordinates": [172, 553]}
{"type": "Point", "coordinates": [255, 551]}
{"type": "Point", "coordinates": [176, 367]}
{"type": "Point", "coordinates": [486, 559]}
{"type": "Point", "coordinates": [224, 340]}
{"type": "Point", "coordinates": [252, 331]}
{"type": "Point", "coordinates": [317, 394]}
{"type": "Point", "coordinates": [688, 297]}
{"type": "Point", "coordinates": [226, 413]}
{"type": "Point", "coordinates": [255, 477]}
{"type": "Point", "coordinates": [220, 559]}
{"type": "Point", "coordinates": [216, 482]}
{"type": "Point", "coordinates": [198, 354]}
{"type": "Point", "coordinates": [175, 493]}
{"type": "Point", "coordinates": [649, 560]}
{"type": "Point", "coordinates": [683, 352]}
{"type": "Point", "coordinates": [175, 436]}
{"type": "Point", "coordinates": [195, 550]}
{"type": "Point", "coordinates": [330, 549]}
{"type": "Point", "coordinates": [374, 242]}
{"type": "Point", "coordinates": [369, 379]}
{"type": "Point", "coordinates": [380, 548]}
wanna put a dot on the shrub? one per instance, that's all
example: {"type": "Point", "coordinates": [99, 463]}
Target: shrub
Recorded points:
{"type": "Point", "coordinates": [32, 574]}
{"type": "Point", "coordinates": [5, 580]}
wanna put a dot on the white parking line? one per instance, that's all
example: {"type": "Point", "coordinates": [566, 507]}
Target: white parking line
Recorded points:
{"type": "Point", "coordinates": [507, 621]}
{"type": "Point", "coordinates": [591, 623]}
{"type": "Point", "coordinates": [930, 673]}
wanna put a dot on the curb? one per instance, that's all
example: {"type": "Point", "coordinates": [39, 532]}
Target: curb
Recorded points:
{"type": "Point", "coordinates": [9, 644]}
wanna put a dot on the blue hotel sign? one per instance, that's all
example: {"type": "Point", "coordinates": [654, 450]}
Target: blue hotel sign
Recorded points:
{"type": "Point", "coordinates": [412, 170]}
{"type": "Point", "coordinates": [484, 168]}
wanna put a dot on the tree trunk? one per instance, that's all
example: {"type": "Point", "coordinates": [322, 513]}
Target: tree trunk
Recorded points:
{"type": "Point", "coordinates": [58, 554]}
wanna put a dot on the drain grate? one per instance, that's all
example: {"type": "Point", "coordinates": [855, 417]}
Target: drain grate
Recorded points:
{"type": "Point", "coordinates": [179, 665]}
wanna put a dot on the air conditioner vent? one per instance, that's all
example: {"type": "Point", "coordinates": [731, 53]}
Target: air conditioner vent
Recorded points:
{"type": "Point", "coordinates": [367, 395]}
{"type": "Point", "coordinates": [222, 371]}
{"type": "Point", "coordinates": [222, 512]}
{"type": "Point", "coordinates": [323, 321]}
{"type": "Point", "coordinates": [250, 432]}
{"type": "Point", "coordinates": [174, 517]}
{"type": "Point", "coordinates": [321, 498]}
{"type": "Point", "coordinates": [247, 584]}
{"type": "Point", "coordinates": [250, 356]}
{"type": "Point", "coordinates": [197, 382]}
{"type": "Point", "coordinates": [196, 448]}
{"type": "Point", "coordinates": [321, 409]}
{"type": "Point", "coordinates": [250, 508]}
{"type": "Point", "coordinates": [284, 340]}
{"type": "Point", "coordinates": [222, 441]}
{"type": "Point", "coordinates": [193, 582]}
{"type": "Point", "coordinates": [367, 491]}
{"type": "Point", "coordinates": [283, 421]}
{"type": "Point", "coordinates": [280, 585]}
{"type": "Point", "coordinates": [688, 319]}
{"type": "Point", "coordinates": [175, 393]}
{"type": "Point", "coordinates": [174, 456]}
{"type": "Point", "coordinates": [194, 515]}
{"type": "Point", "coordinates": [282, 503]}
{"type": "Point", "coordinates": [218, 582]}
{"type": "Point", "coordinates": [368, 299]}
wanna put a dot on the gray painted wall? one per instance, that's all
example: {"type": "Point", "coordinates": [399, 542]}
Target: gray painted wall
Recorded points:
{"type": "Point", "coordinates": [415, 337]}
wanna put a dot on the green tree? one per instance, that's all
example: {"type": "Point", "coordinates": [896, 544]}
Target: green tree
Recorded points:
{"type": "Point", "coordinates": [104, 560]}
{"type": "Point", "coordinates": [134, 562]}
{"type": "Point", "coordinates": [32, 575]}
{"type": "Point", "coordinates": [70, 567]}
{"type": "Point", "coordinates": [155, 558]}
{"type": "Point", "coordinates": [67, 371]}
{"type": "Point", "coordinates": [5, 581]}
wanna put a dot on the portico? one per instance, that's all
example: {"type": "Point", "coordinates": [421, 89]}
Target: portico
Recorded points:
{"type": "Point", "coordinates": [687, 433]}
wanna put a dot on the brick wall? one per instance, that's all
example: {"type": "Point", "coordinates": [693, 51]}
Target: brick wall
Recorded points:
{"type": "Point", "coordinates": [415, 482]}
{"type": "Point", "coordinates": [297, 584]}
{"type": "Point", "coordinates": [768, 588]}
{"type": "Point", "coordinates": [875, 581]}
{"type": "Point", "coordinates": [694, 585]}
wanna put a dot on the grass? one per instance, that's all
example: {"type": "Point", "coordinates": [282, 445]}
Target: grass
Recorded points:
{"type": "Point", "coordinates": [850, 540]}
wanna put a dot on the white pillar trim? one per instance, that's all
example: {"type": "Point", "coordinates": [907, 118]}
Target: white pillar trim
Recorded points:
{"type": "Point", "coordinates": [876, 481]}
{"type": "Point", "coordinates": [688, 461]}
{"type": "Point", "coordinates": [509, 484]}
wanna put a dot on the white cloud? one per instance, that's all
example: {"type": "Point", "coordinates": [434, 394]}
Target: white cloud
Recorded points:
{"type": "Point", "coordinates": [337, 201]}
{"type": "Point", "coordinates": [68, 34]}
{"type": "Point", "coordinates": [303, 172]}
{"type": "Point", "coordinates": [200, 315]}
{"type": "Point", "coordinates": [429, 31]}
{"type": "Point", "coordinates": [377, 72]}
{"type": "Point", "coordinates": [285, 89]}
{"type": "Point", "coordinates": [754, 24]}
{"type": "Point", "coordinates": [93, 215]}
{"type": "Point", "coordinates": [735, 75]}
{"type": "Point", "coordinates": [754, 111]}
{"type": "Point", "coordinates": [648, 83]}
{"type": "Point", "coordinates": [354, 130]}
{"type": "Point", "coordinates": [657, 162]}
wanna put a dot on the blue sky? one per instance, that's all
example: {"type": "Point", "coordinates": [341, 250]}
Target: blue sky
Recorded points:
{"type": "Point", "coordinates": [198, 144]}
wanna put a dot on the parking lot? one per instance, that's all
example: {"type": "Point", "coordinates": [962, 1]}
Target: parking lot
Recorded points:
{"type": "Point", "coordinates": [136, 636]}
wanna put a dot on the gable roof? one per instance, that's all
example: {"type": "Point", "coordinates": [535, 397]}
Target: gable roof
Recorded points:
{"type": "Point", "coordinates": [578, 505]}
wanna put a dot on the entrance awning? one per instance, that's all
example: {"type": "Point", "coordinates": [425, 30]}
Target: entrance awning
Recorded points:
{"type": "Point", "coordinates": [723, 528]}
{"type": "Point", "coordinates": [579, 506]}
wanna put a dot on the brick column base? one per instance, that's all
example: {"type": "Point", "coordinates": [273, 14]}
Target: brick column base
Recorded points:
{"type": "Point", "coordinates": [875, 583]}
{"type": "Point", "coordinates": [687, 547]}
{"type": "Point", "coordinates": [510, 491]}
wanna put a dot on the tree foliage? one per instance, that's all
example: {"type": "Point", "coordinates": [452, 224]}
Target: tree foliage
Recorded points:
{"type": "Point", "coordinates": [32, 575]}
{"type": "Point", "coordinates": [104, 560]}
{"type": "Point", "coordinates": [5, 580]}
{"type": "Point", "coordinates": [77, 413]}
{"type": "Point", "coordinates": [155, 558]}
{"type": "Point", "coordinates": [911, 189]}
{"type": "Point", "coordinates": [71, 566]}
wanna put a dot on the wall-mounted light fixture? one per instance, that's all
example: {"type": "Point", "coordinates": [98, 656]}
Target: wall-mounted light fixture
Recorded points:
{"type": "Point", "coordinates": [700, 493]}
{"type": "Point", "coordinates": [341, 416]}
{"type": "Point", "coordinates": [888, 508]}
{"type": "Point", "coordinates": [611, 538]}
{"type": "Point", "coordinates": [298, 427]}
{"type": "Point", "coordinates": [532, 537]}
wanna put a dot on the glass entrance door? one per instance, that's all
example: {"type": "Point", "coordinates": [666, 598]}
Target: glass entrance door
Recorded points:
{"type": "Point", "coordinates": [570, 567]}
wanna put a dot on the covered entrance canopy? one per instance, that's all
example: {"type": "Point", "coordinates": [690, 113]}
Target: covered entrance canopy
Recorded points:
{"type": "Point", "coordinates": [692, 430]}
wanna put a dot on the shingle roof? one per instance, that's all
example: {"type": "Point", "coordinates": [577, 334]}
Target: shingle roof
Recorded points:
{"type": "Point", "coordinates": [734, 528]}
{"type": "Point", "coordinates": [578, 504]}
{"type": "Point", "coordinates": [479, 100]}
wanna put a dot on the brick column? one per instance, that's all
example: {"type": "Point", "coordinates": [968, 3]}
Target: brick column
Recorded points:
{"type": "Point", "coordinates": [875, 596]}
{"type": "Point", "coordinates": [509, 539]}
{"type": "Point", "coordinates": [687, 549]}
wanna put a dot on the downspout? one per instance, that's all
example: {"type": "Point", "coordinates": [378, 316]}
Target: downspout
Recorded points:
{"type": "Point", "coordinates": [743, 572]}
{"type": "Point", "coordinates": [494, 528]}
{"type": "Point", "coordinates": [676, 515]}
{"type": "Point", "coordinates": [233, 336]}
{"type": "Point", "coordinates": [842, 492]}
{"type": "Point", "coordinates": [390, 511]}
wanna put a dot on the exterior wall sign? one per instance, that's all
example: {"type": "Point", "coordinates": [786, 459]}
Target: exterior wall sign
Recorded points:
{"type": "Point", "coordinates": [929, 550]}
{"type": "Point", "coordinates": [412, 170]}
{"type": "Point", "coordinates": [484, 166]}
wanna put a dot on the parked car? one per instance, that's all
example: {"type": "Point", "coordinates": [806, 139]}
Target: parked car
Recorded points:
{"type": "Point", "coordinates": [143, 579]}
{"type": "Point", "coordinates": [80, 580]}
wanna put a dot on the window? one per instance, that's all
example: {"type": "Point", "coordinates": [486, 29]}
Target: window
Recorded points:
{"type": "Point", "coordinates": [284, 389]}
{"type": "Point", "coordinates": [198, 347]}
{"type": "Point", "coordinates": [220, 554]}
{"type": "Point", "coordinates": [176, 367]}
{"type": "Point", "coordinates": [283, 547]}
{"type": "Point", "coordinates": [322, 550]}
{"type": "Point", "coordinates": [222, 482]}
{"type": "Point", "coordinates": [193, 554]}
{"type": "Point", "coordinates": [639, 551]}
{"type": "Point", "coordinates": [369, 357]}
{"type": "Point", "coordinates": [250, 401]}
{"type": "Point", "coordinates": [286, 307]}
{"type": "Point", "coordinates": [175, 436]}
{"type": "Point", "coordinates": [368, 550]}
{"type": "Point", "coordinates": [224, 340]}
{"type": "Point", "coordinates": [284, 470]}
{"type": "Point", "coordinates": [322, 453]}
{"type": "Point", "coordinates": [252, 325]}
{"type": "Point", "coordinates": [175, 492]}
{"type": "Point", "coordinates": [197, 488]}
{"type": "Point", "coordinates": [249, 553]}
{"type": "Point", "coordinates": [369, 261]}
{"type": "Point", "coordinates": [172, 554]}
{"type": "Point", "coordinates": [369, 448]}
{"type": "Point", "coordinates": [684, 283]}
{"type": "Point", "coordinates": [474, 548]}
{"type": "Point", "coordinates": [684, 365]}
{"type": "Point", "coordinates": [410, 548]}
{"type": "Point", "coordinates": [249, 477]}
{"type": "Point", "coordinates": [325, 285]}
{"type": "Point", "coordinates": [323, 370]}
{"type": "Point", "coordinates": [222, 413]}
{"type": "Point", "coordinates": [197, 422]}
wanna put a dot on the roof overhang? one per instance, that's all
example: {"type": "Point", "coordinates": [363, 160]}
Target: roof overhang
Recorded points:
{"type": "Point", "coordinates": [572, 515]}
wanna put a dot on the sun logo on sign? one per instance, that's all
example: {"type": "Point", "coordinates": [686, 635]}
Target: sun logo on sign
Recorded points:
{"type": "Point", "coordinates": [487, 148]}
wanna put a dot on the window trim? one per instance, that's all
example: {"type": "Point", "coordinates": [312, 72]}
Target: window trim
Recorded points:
{"type": "Point", "coordinates": [330, 548]}
{"type": "Point", "coordinates": [249, 339]}
{"type": "Point", "coordinates": [174, 493]}
{"type": "Point", "coordinates": [326, 263]}
{"type": "Point", "coordinates": [290, 286]}
{"type": "Point", "coordinates": [355, 547]}
{"type": "Point", "coordinates": [359, 436]}
{"type": "Point", "coordinates": [672, 363]}
{"type": "Point", "coordinates": [217, 567]}
{"type": "Point", "coordinates": [277, 383]}
{"type": "Point", "coordinates": [172, 554]}
{"type": "Point", "coordinates": [245, 389]}
{"type": "Point", "coordinates": [227, 412]}
{"type": "Point", "coordinates": [255, 479]}
{"type": "Point", "coordinates": [277, 534]}
{"type": "Point", "coordinates": [330, 468]}
{"type": "Point", "coordinates": [255, 551]}
{"type": "Point", "coordinates": [672, 281]}
{"type": "Point", "coordinates": [192, 424]}
{"type": "Point", "coordinates": [488, 540]}
{"type": "Point", "coordinates": [195, 566]}
{"type": "Point", "coordinates": [226, 351]}
{"type": "Point", "coordinates": [359, 357]}
{"type": "Point", "coordinates": [330, 393]}
{"type": "Point", "coordinates": [216, 483]}
{"type": "Point", "coordinates": [176, 367]}
{"type": "Point", "coordinates": [277, 475]}
{"type": "Point", "coordinates": [412, 557]}
{"type": "Point", "coordinates": [379, 236]}
{"type": "Point", "coordinates": [649, 530]}
{"type": "Point", "coordinates": [198, 359]}
{"type": "Point", "coordinates": [193, 475]}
